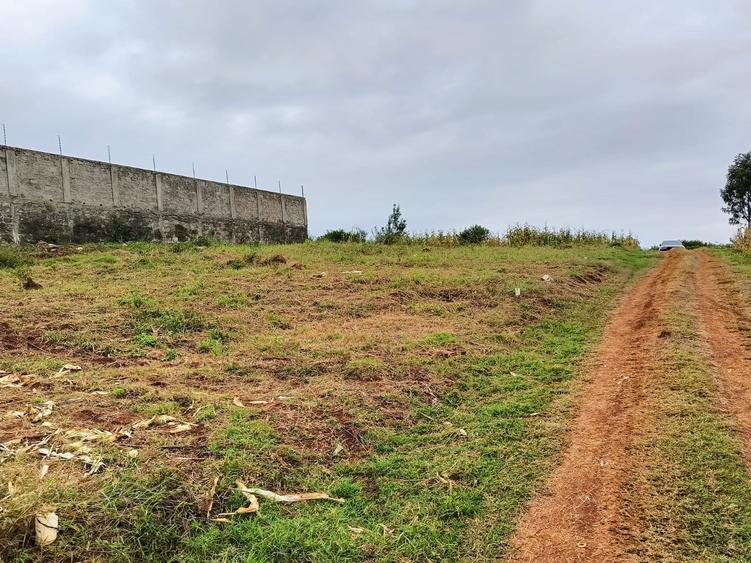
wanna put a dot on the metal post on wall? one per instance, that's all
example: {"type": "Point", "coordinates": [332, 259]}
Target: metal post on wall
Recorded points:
{"type": "Point", "coordinates": [284, 215]}
{"type": "Point", "coordinates": [302, 190]}
{"type": "Point", "coordinates": [255, 182]}
{"type": "Point", "coordinates": [64, 172]}
{"type": "Point", "coordinates": [194, 169]}
{"type": "Point", "coordinates": [113, 179]}
{"type": "Point", "coordinates": [5, 137]}
{"type": "Point", "coordinates": [226, 175]}
{"type": "Point", "coordinates": [153, 161]}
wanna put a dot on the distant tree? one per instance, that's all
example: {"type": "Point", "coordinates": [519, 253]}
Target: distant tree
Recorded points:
{"type": "Point", "coordinates": [475, 234]}
{"type": "Point", "coordinates": [395, 229]}
{"type": "Point", "coordinates": [737, 191]}
{"type": "Point", "coordinates": [396, 224]}
{"type": "Point", "coordinates": [694, 244]}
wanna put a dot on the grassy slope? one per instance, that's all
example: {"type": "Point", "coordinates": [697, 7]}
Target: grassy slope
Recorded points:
{"type": "Point", "coordinates": [395, 364]}
{"type": "Point", "coordinates": [740, 263]}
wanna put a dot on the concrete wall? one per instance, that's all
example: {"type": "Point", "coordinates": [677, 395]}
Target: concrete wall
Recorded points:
{"type": "Point", "coordinates": [63, 199]}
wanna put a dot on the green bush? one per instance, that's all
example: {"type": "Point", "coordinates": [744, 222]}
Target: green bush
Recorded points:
{"type": "Point", "coordinates": [476, 234]}
{"type": "Point", "coordinates": [695, 243]}
{"type": "Point", "coordinates": [742, 239]}
{"type": "Point", "coordinates": [247, 260]}
{"type": "Point", "coordinates": [9, 257]}
{"type": "Point", "coordinates": [212, 345]}
{"type": "Point", "coordinates": [23, 273]}
{"type": "Point", "coordinates": [340, 235]}
{"type": "Point", "coordinates": [143, 339]}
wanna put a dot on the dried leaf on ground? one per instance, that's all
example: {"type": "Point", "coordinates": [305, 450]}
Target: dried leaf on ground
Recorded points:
{"type": "Point", "coordinates": [15, 381]}
{"type": "Point", "coordinates": [92, 465]}
{"type": "Point", "coordinates": [297, 497]}
{"type": "Point", "coordinates": [46, 527]}
{"type": "Point", "coordinates": [64, 456]}
{"type": "Point", "coordinates": [66, 369]}
{"type": "Point", "coordinates": [386, 530]}
{"type": "Point", "coordinates": [211, 496]}
{"type": "Point", "coordinates": [40, 411]}
{"type": "Point", "coordinates": [252, 508]}
{"type": "Point", "coordinates": [94, 435]}
{"type": "Point", "coordinates": [237, 402]}
{"type": "Point", "coordinates": [443, 478]}
{"type": "Point", "coordinates": [199, 409]}
{"type": "Point", "coordinates": [164, 420]}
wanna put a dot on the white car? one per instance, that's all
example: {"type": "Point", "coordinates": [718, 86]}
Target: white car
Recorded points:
{"type": "Point", "coordinates": [670, 244]}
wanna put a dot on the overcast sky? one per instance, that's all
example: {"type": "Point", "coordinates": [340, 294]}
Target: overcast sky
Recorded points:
{"type": "Point", "coordinates": [605, 115]}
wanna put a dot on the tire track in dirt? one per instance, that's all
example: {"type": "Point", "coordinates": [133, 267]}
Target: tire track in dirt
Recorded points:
{"type": "Point", "coordinates": [581, 515]}
{"type": "Point", "coordinates": [727, 329]}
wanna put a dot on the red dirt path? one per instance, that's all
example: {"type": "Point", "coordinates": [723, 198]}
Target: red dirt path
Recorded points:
{"type": "Point", "coordinates": [579, 516]}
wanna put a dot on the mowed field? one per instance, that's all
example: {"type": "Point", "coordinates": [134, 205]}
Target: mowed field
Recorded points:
{"type": "Point", "coordinates": [407, 382]}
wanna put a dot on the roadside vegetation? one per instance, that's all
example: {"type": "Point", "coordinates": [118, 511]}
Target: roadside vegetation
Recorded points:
{"type": "Point", "coordinates": [423, 385]}
{"type": "Point", "coordinates": [395, 232]}
{"type": "Point", "coordinates": [742, 240]}
{"type": "Point", "coordinates": [518, 236]}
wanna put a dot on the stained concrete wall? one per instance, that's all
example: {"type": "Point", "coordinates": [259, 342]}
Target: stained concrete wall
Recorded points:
{"type": "Point", "coordinates": [57, 198]}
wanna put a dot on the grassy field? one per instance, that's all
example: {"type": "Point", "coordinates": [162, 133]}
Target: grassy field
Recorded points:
{"type": "Point", "coordinates": [408, 381]}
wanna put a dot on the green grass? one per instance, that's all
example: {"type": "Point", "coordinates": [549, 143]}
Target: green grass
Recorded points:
{"type": "Point", "coordinates": [425, 368]}
{"type": "Point", "coordinates": [232, 301]}
{"type": "Point", "coordinates": [440, 339]}
{"type": "Point", "coordinates": [740, 263]}
{"type": "Point", "coordinates": [10, 257]}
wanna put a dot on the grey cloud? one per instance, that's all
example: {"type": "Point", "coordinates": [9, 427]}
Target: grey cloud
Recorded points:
{"type": "Point", "coordinates": [581, 113]}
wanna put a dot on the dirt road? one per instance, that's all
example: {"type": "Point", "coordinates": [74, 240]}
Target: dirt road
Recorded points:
{"type": "Point", "coordinates": [580, 515]}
